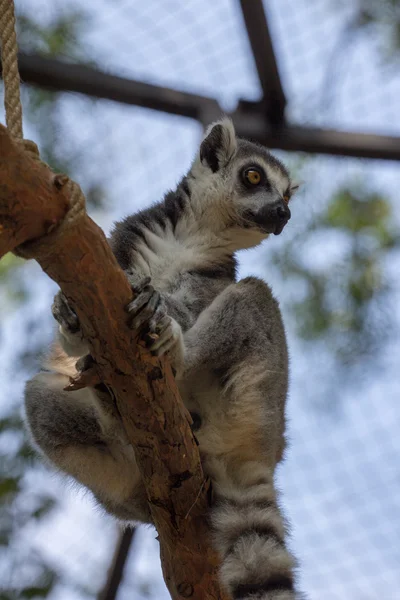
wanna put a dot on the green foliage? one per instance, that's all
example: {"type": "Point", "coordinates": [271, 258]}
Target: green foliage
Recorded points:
{"type": "Point", "coordinates": [13, 289]}
{"type": "Point", "coordinates": [14, 513]}
{"type": "Point", "coordinates": [8, 486]}
{"type": "Point", "coordinates": [355, 214]}
{"type": "Point", "coordinates": [382, 16]}
{"type": "Point", "coordinates": [41, 591]}
{"type": "Point", "coordinates": [62, 37]}
{"type": "Point", "coordinates": [345, 301]}
{"type": "Point", "coordinates": [8, 262]}
{"type": "Point", "coordinates": [42, 108]}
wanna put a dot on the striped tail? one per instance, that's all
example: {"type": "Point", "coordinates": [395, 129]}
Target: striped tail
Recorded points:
{"type": "Point", "coordinates": [249, 533]}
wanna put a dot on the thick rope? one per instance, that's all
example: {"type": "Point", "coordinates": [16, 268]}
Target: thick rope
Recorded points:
{"type": "Point", "coordinates": [9, 59]}
{"type": "Point", "coordinates": [43, 246]}
{"type": "Point", "coordinates": [13, 108]}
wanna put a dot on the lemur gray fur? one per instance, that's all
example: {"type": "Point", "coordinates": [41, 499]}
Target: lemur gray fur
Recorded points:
{"type": "Point", "coordinates": [226, 342]}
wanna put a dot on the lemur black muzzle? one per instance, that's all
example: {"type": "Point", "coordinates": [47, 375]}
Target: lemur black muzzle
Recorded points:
{"type": "Point", "coordinates": [271, 218]}
{"type": "Point", "coordinates": [281, 215]}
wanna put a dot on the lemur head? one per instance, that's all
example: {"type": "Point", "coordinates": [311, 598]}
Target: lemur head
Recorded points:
{"type": "Point", "coordinates": [237, 186]}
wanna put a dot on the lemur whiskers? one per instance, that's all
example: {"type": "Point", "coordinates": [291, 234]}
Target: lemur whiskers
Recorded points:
{"type": "Point", "coordinates": [227, 344]}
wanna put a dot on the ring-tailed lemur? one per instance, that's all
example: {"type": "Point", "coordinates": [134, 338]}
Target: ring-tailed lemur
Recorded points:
{"type": "Point", "coordinates": [226, 342]}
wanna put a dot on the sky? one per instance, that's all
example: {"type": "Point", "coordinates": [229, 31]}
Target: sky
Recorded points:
{"type": "Point", "coordinates": [340, 483]}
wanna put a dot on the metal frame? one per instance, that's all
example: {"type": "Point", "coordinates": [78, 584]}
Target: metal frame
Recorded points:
{"type": "Point", "coordinates": [256, 23]}
{"type": "Point", "coordinates": [250, 118]}
{"type": "Point", "coordinates": [262, 121]}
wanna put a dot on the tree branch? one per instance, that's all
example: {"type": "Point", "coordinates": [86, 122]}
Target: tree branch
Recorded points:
{"type": "Point", "coordinates": [78, 257]}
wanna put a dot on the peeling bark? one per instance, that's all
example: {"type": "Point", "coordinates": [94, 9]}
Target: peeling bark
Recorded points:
{"type": "Point", "coordinates": [79, 259]}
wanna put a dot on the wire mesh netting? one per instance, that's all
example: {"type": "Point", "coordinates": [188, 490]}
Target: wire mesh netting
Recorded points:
{"type": "Point", "coordinates": [340, 483]}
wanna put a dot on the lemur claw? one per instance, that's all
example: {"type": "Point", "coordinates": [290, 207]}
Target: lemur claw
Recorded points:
{"type": "Point", "coordinates": [145, 306]}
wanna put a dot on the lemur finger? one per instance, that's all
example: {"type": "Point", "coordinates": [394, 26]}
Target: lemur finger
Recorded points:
{"type": "Point", "coordinates": [166, 339]}
{"type": "Point", "coordinates": [162, 349]}
{"type": "Point", "coordinates": [162, 329]}
{"type": "Point", "coordinates": [147, 311]}
{"type": "Point", "coordinates": [137, 288]}
{"type": "Point", "coordinates": [159, 320]}
{"type": "Point", "coordinates": [137, 304]}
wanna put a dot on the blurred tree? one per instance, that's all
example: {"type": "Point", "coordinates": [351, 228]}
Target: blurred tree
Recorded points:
{"type": "Point", "coordinates": [17, 509]}
{"type": "Point", "coordinates": [346, 300]}
{"type": "Point", "coordinates": [42, 110]}
{"type": "Point", "coordinates": [347, 304]}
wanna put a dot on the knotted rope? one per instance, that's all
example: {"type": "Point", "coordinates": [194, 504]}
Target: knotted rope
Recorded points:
{"type": "Point", "coordinates": [13, 109]}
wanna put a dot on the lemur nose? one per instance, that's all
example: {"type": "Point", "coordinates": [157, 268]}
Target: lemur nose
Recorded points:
{"type": "Point", "coordinates": [283, 212]}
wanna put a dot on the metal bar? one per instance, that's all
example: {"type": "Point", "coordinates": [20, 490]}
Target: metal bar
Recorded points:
{"type": "Point", "coordinates": [260, 40]}
{"type": "Point", "coordinates": [61, 76]}
{"type": "Point", "coordinates": [116, 570]}
{"type": "Point", "coordinates": [249, 119]}
{"type": "Point", "coordinates": [314, 140]}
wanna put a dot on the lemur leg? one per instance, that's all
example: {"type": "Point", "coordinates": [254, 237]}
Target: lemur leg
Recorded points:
{"type": "Point", "coordinates": [81, 432]}
{"type": "Point", "coordinates": [83, 438]}
{"type": "Point", "coordinates": [239, 339]}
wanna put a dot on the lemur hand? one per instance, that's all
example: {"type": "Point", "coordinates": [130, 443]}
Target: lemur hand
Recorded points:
{"type": "Point", "coordinates": [147, 313]}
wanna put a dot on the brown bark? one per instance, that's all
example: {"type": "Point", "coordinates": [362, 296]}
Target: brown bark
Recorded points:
{"type": "Point", "coordinates": [20, 218]}
{"type": "Point", "coordinates": [80, 260]}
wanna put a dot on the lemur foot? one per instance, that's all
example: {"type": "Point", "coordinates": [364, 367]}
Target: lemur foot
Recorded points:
{"type": "Point", "coordinates": [111, 420]}
{"type": "Point", "coordinates": [64, 315]}
{"type": "Point", "coordinates": [148, 314]}
{"type": "Point", "coordinates": [71, 337]}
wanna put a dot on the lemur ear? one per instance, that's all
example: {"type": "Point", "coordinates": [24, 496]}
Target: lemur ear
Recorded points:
{"type": "Point", "coordinates": [219, 145]}
{"type": "Point", "coordinates": [294, 186]}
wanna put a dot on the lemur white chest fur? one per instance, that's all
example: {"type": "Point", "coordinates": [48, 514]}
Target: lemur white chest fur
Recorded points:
{"type": "Point", "coordinates": [226, 341]}
{"type": "Point", "coordinates": [166, 252]}
{"type": "Point", "coordinates": [163, 256]}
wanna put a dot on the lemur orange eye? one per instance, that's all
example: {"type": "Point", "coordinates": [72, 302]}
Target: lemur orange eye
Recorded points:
{"type": "Point", "coordinates": [253, 176]}
{"type": "Point", "coordinates": [286, 198]}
